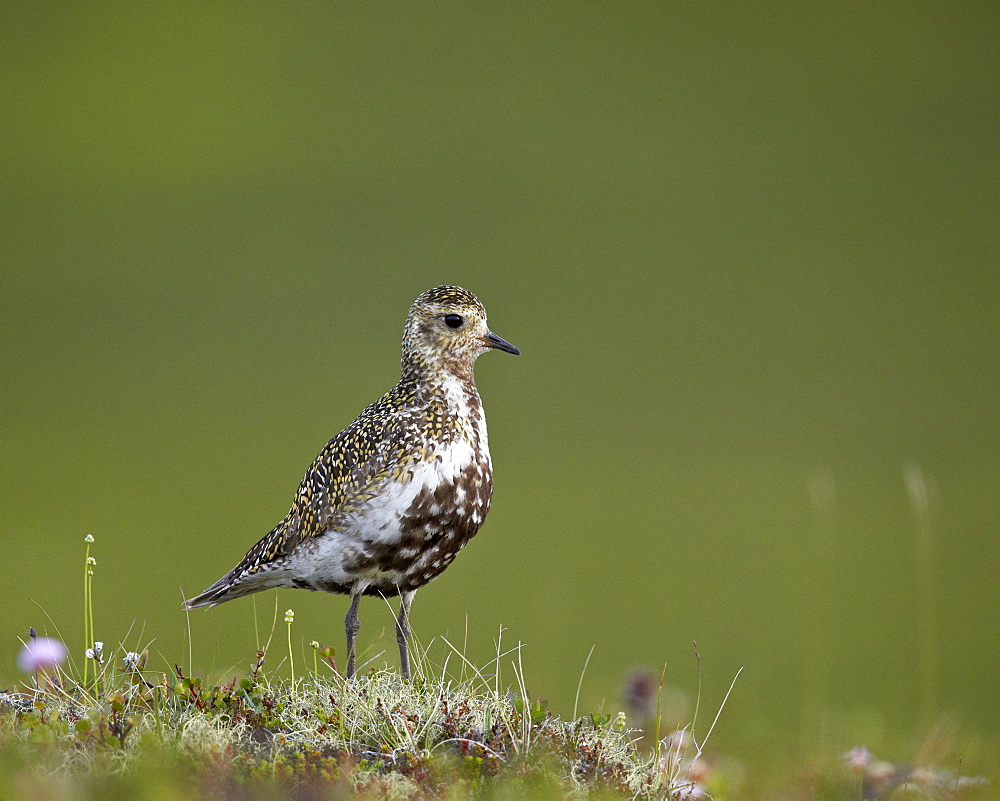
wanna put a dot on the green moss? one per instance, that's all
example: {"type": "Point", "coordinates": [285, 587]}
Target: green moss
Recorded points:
{"type": "Point", "coordinates": [327, 738]}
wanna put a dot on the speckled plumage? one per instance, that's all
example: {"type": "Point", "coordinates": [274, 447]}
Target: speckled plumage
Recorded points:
{"type": "Point", "coordinates": [391, 499]}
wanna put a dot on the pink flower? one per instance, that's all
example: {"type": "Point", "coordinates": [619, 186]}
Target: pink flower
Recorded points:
{"type": "Point", "coordinates": [41, 653]}
{"type": "Point", "coordinates": [859, 758]}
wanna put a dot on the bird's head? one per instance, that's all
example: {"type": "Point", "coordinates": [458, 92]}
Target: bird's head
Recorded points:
{"type": "Point", "coordinates": [446, 329]}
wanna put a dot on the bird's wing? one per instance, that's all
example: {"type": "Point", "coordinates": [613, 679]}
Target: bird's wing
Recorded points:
{"type": "Point", "coordinates": [344, 476]}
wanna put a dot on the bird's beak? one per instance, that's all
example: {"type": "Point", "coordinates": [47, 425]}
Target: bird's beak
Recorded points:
{"type": "Point", "coordinates": [491, 340]}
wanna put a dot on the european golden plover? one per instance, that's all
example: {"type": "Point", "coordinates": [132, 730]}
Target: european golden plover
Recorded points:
{"type": "Point", "coordinates": [391, 499]}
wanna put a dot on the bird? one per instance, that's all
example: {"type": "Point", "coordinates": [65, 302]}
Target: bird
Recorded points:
{"type": "Point", "coordinates": [390, 501]}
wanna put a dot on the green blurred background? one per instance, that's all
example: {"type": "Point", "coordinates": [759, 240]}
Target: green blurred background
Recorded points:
{"type": "Point", "coordinates": [749, 251]}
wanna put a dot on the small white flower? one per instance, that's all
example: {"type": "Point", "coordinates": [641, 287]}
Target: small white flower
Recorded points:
{"type": "Point", "coordinates": [89, 653]}
{"type": "Point", "coordinates": [98, 647]}
{"type": "Point", "coordinates": [131, 660]}
{"type": "Point", "coordinates": [89, 538]}
{"type": "Point", "coordinates": [314, 644]}
{"type": "Point", "coordinates": [289, 616]}
{"type": "Point", "coordinates": [91, 561]}
{"type": "Point", "coordinates": [90, 572]}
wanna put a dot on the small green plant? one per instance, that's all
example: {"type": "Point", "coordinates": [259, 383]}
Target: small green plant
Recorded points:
{"type": "Point", "coordinates": [89, 563]}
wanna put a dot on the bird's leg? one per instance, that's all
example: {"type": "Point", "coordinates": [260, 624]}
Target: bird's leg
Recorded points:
{"type": "Point", "coordinates": [351, 626]}
{"type": "Point", "coordinates": [403, 631]}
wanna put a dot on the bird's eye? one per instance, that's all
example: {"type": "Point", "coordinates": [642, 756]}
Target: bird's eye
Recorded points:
{"type": "Point", "coordinates": [453, 320]}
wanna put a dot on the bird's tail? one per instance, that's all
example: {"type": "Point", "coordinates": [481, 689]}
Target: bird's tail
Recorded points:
{"type": "Point", "coordinates": [246, 577]}
{"type": "Point", "coordinates": [215, 594]}
{"type": "Point", "coordinates": [235, 584]}
{"type": "Point", "coordinates": [232, 585]}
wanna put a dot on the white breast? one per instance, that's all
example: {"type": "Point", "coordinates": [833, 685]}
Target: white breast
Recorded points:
{"type": "Point", "coordinates": [376, 525]}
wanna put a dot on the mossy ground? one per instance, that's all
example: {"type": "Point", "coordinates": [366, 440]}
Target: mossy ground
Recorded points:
{"type": "Point", "coordinates": [321, 737]}
{"type": "Point", "coordinates": [133, 733]}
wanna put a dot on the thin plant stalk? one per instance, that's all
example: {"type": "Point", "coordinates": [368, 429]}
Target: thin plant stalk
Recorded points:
{"type": "Point", "coordinates": [919, 490]}
{"type": "Point", "coordinates": [88, 607]}
{"type": "Point", "coordinates": [579, 684]}
{"type": "Point", "coordinates": [187, 618]}
{"type": "Point", "coordinates": [496, 685]}
{"type": "Point", "coordinates": [90, 604]}
{"type": "Point", "coordinates": [701, 747]}
{"type": "Point", "coordinates": [289, 617]}
{"type": "Point", "coordinates": [465, 647]}
{"type": "Point", "coordinates": [256, 631]}
{"type": "Point", "coordinates": [659, 693]}
{"type": "Point", "coordinates": [697, 700]}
